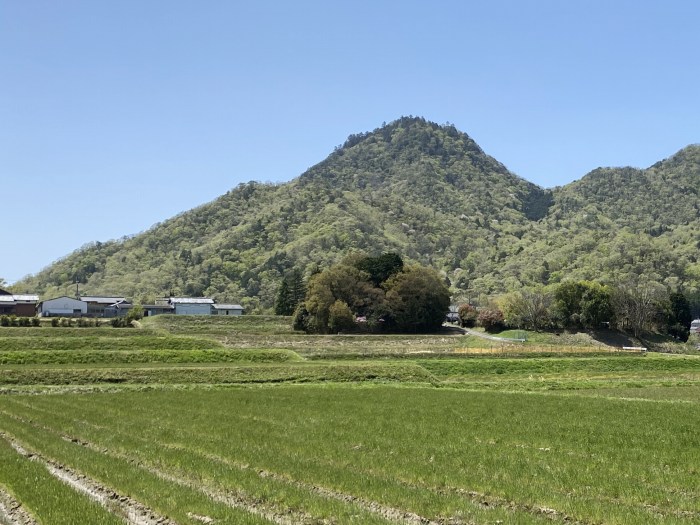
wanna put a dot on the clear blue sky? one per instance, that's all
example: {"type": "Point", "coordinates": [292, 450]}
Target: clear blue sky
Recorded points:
{"type": "Point", "coordinates": [118, 115]}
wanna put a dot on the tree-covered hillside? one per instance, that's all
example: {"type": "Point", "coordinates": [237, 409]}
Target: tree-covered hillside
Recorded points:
{"type": "Point", "coordinates": [619, 225]}
{"type": "Point", "coordinates": [419, 189]}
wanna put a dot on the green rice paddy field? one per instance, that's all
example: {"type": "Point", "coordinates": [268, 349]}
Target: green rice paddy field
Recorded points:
{"type": "Point", "coordinates": [238, 421]}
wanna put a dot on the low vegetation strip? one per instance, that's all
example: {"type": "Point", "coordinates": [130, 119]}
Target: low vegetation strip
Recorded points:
{"type": "Point", "coordinates": [564, 365]}
{"type": "Point", "coordinates": [43, 357]}
{"type": "Point", "coordinates": [220, 325]}
{"type": "Point", "coordinates": [106, 341]}
{"type": "Point", "coordinates": [220, 374]}
{"type": "Point", "coordinates": [542, 351]}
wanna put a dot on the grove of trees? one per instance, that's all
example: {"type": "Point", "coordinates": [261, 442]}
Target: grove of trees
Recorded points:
{"type": "Point", "coordinates": [631, 307]}
{"type": "Point", "coordinates": [363, 293]}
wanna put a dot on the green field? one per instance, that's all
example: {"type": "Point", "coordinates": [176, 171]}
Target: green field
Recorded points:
{"type": "Point", "coordinates": [195, 420]}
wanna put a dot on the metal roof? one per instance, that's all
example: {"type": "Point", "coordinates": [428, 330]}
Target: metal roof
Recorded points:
{"type": "Point", "coordinates": [29, 298]}
{"type": "Point", "coordinates": [102, 300]}
{"type": "Point", "coordinates": [157, 306]}
{"type": "Point", "coordinates": [7, 299]}
{"type": "Point", "coordinates": [191, 300]}
{"type": "Point", "coordinates": [228, 307]}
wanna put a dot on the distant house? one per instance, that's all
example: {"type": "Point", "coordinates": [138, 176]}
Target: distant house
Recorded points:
{"type": "Point", "coordinates": [227, 309]}
{"type": "Point", "coordinates": [98, 304]}
{"type": "Point", "coordinates": [695, 326]}
{"type": "Point", "coordinates": [26, 304]}
{"type": "Point", "coordinates": [21, 305]}
{"type": "Point", "coordinates": [63, 307]}
{"type": "Point", "coordinates": [192, 305]}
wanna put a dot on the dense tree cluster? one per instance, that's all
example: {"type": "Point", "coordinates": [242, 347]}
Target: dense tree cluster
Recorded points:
{"type": "Point", "coordinates": [636, 308]}
{"type": "Point", "coordinates": [373, 294]}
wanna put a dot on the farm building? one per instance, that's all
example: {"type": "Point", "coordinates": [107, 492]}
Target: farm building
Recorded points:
{"type": "Point", "coordinates": [21, 305]}
{"type": "Point", "coordinates": [25, 304]}
{"type": "Point", "coordinates": [227, 309]}
{"type": "Point", "coordinates": [63, 307]}
{"type": "Point", "coordinates": [192, 305]}
{"type": "Point", "coordinates": [96, 305]}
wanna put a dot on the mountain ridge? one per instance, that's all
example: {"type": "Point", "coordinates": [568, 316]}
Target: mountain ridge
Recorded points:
{"type": "Point", "coordinates": [423, 190]}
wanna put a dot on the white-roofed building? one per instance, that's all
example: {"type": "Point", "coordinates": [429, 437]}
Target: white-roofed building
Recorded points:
{"type": "Point", "coordinates": [192, 305]}
{"type": "Point", "coordinates": [63, 307]}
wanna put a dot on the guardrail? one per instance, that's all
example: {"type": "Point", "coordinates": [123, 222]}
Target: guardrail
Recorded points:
{"type": "Point", "coordinates": [637, 348]}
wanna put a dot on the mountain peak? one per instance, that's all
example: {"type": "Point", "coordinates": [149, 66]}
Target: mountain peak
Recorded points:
{"type": "Point", "coordinates": [421, 189]}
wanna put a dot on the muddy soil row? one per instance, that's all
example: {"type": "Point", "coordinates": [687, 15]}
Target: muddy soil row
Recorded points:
{"type": "Point", "coordinates": [233, 499]}
{"type": "Point", "coordinates": [12, 512]}
{"type": "Point", "coordinates": [132, 511]}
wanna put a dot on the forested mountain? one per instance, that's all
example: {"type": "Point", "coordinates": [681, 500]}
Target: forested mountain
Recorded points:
{"type": "Point", "coordinates": [621, 225]}
{"type": "Point", "coordinates": [425, 191]}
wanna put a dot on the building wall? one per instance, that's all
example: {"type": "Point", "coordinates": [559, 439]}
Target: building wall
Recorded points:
{"type": "Point", "coordinates": [25, 309]}
{"type": "Point", "coordinates": [192, 309]}
{"type": "Point", "coordinates": [148, 312]}
{"type": "Point", "coordinates": [63, 306]}
{"type": "Point", "coordinates": [7, 309]}
{"type": "Point", "coordinates": [227, 312]}
{"type": "Point", "coordinates": [96, 309]}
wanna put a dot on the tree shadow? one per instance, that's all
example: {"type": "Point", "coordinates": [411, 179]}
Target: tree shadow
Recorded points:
{"type": "Point", "coordinates": [614, 338]}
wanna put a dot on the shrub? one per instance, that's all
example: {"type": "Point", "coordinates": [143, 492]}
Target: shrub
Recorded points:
{"type": "Point", "coordinates": [120, 322]}
{"type": "Point", "coordinates": [491, 319]}
{"type": "Point", "coordinates": [35, 321]}
{"type": "Point", "coordinates": [135, 313]}
{"type": "Point", "coordinates": [54, 321]}
{"type": "Point", "coordinates": [4, 320]}
{"type": "Point", "coordinates": [467, 315]}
